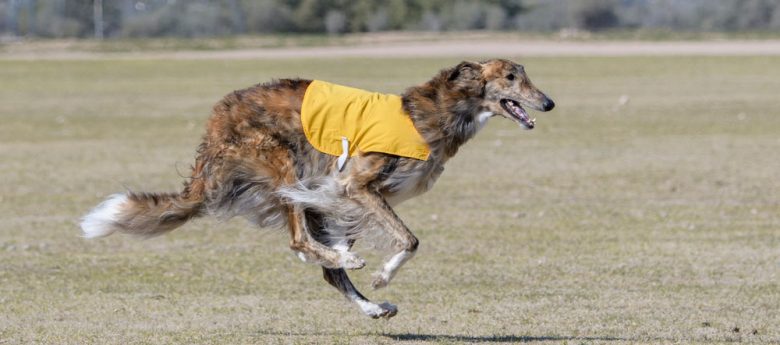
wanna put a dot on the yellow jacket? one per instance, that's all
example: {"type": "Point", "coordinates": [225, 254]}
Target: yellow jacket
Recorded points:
{"type": "Point", "coordinates": [370, 122]}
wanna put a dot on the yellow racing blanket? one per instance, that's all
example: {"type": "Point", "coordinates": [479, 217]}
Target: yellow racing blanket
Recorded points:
{"type": "Point", "coordinates": [343, 121]}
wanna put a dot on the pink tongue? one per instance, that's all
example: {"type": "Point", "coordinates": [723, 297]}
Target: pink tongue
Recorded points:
{"type": "Point", "coordinates": [519, 111]}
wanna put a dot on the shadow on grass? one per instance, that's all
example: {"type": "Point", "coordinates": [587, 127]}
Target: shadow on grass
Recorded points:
{"type": "Point", "coordinates": [398, 337]}
{"type": "Point", "coordinates": [461, 338]}
{"type": "Point", "coordinates": [493, 339]}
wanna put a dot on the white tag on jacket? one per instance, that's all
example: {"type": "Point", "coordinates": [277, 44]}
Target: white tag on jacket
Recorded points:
{"type": "Point", "coordinates": [344, 153]}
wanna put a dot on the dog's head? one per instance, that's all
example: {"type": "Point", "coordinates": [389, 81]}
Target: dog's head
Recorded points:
{"type": "Point", "coordinates": [503, 89]}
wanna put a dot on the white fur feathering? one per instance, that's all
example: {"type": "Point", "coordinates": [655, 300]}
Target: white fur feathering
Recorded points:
{"type": "Point", "coordinates": [101, 221]}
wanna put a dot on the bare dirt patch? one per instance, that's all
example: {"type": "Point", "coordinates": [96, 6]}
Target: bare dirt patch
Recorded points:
{"type": "Point", "coordinates": [411, 49]}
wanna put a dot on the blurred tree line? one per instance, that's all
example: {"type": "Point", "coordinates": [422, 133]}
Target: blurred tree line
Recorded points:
{"type": "Point", "coordinates": [196, 18]}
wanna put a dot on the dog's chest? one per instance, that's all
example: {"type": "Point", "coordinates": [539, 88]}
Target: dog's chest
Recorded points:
{"type": "Point", "coordinates": [404, 185]}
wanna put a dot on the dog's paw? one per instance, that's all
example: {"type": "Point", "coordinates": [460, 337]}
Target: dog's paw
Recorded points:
{"type": "Point", "coordinates": [389, 310]}
{"type": "Point", "coordinates": [380, 280]}
{"type": "Point", "coordinates": [375, 311]}
{"type": "Point", "coordinates": [351, 261]}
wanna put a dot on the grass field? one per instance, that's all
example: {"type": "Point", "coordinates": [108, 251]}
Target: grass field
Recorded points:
{"type": "Point", "coordinates": [644, 209]}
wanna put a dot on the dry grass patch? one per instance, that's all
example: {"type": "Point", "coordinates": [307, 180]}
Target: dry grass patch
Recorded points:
{"type": "Point", "coordinates": [652, 220]}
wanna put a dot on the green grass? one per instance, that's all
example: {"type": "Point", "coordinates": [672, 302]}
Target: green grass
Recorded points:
{"type": "Point", "coordinates": [651, 222]}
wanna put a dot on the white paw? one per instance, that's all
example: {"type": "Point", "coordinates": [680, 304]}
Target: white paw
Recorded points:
{"type": "Point", "coordinates": [390, 309]}
{"type": "Point", "coordinates": [302, 256]}
{"type": "Point", "coordinates": [376, 311]}
{"type": "Point", "coordinates": [381, 279]}
{"type": "Point", "coordinates": [351, 261]}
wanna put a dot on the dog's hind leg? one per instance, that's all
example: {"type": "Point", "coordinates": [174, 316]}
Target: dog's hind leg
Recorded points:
{"type": "Point", "coordinates": [339, 279]}
{"type": "Point", "coordinates": [314, 251]}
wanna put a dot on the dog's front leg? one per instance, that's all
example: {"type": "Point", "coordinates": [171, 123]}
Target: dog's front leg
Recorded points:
{"type": "Point", "coordinates": [360, 186]}
{"type": "Point", "coordinates": [403, 239]}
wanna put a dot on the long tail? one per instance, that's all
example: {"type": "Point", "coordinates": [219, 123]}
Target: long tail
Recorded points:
{"type": "Point", "coordinates": [143, 214]}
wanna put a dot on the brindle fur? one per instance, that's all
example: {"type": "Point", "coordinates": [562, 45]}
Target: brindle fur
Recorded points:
{"type": "Point", "coordinates": [255, 162]}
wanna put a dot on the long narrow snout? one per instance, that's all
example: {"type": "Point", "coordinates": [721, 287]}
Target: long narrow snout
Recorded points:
{"type": "Point", "coordinates": [547, 104]}
{"type": "Point", "coordinates": [541, 102]}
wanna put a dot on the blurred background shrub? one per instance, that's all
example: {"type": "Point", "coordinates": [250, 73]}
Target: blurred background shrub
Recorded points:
{"type": "Point", "coordinates": [199, 18]}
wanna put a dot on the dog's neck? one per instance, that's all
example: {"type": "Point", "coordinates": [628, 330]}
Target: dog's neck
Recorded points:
{"type": "Point", "coordinates": [446, 119]}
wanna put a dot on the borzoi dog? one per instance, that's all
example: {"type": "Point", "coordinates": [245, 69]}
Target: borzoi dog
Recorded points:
{"type": "Point", "coordinates": [329, 162]}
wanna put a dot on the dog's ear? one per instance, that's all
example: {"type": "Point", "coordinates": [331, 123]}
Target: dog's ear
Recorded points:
{"type": "Point", "coordinates": [467, 76]}
{"type": "Point", "coordinates": [465, 70]}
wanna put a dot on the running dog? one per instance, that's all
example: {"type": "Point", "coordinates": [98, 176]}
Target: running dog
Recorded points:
{"type": "Point", "coordinates": [258, 160]}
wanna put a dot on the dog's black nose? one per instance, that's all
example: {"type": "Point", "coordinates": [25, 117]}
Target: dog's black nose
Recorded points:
{"type": "Point", "coordinates": [548, 104]}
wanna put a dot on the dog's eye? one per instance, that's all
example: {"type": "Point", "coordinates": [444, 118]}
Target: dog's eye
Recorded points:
{"type": "Point", "coordinates": [510, 77]}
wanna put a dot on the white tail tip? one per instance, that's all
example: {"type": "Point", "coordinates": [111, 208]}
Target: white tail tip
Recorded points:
{"type": "Point", "coordinates": [101, 221]}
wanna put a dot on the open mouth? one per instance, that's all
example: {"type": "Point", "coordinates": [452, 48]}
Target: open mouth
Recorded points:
{"type": "Point", "coordinates": [518, 113]}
